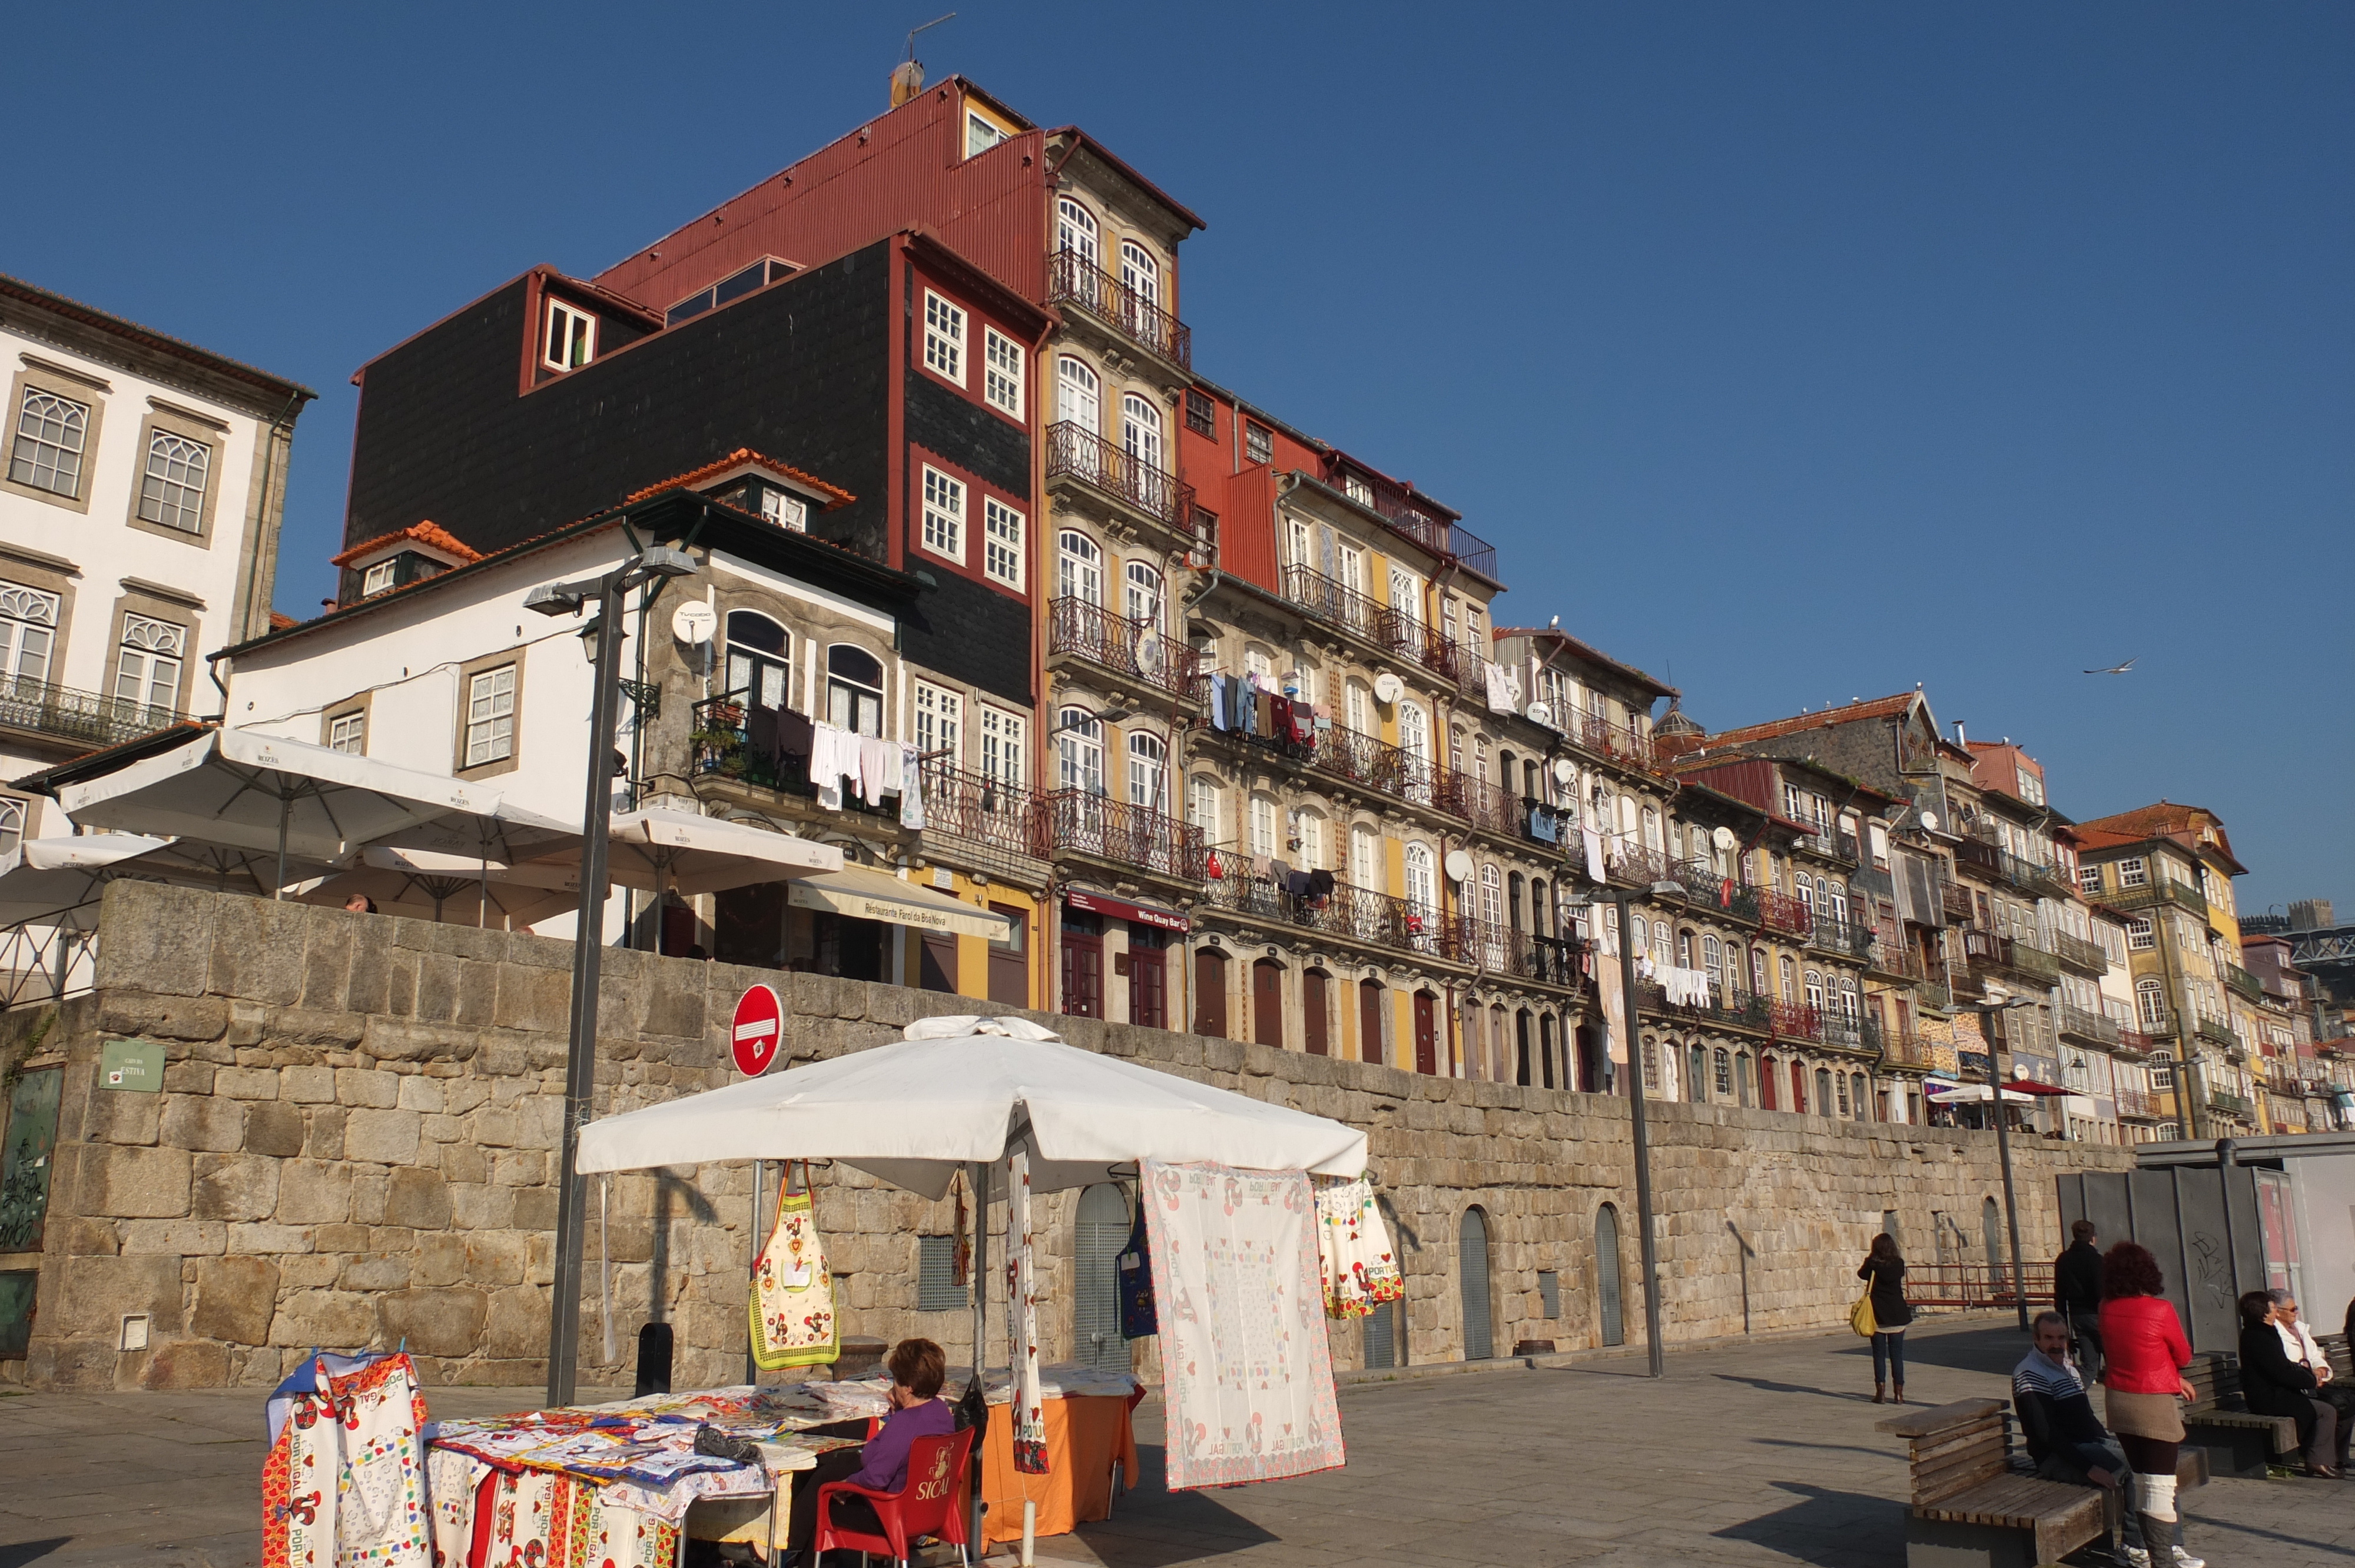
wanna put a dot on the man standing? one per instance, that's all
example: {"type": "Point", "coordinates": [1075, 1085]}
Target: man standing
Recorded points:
{"type": "Point", "coordinates": [2077, 1295]}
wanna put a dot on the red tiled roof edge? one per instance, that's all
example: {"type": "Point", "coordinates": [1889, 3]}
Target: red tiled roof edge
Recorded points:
{"type": "Point", "coordinates": [425, 533]}
{"type": "Point", "coordinates": [742, 455]}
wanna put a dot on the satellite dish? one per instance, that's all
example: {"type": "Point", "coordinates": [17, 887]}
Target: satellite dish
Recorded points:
{"type": "Point", "coordinates": [693, 623]}
{"type": "Point", "coordinates": [1538, 713]}
{"type": "Point", "coordinates": [1459, 866]}
{"type": "Point", "coordinates": [1389, 688]}
{"type": "Point", "coordinates": [1722, 838]}
{"type": "Point", "coordinates": [1566, 771]}
{"type": "Point", "coordinates": [1930, 821]}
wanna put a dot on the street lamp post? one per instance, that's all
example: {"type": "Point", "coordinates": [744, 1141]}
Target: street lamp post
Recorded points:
{"type": "Point", "coordinates": [1624, 900]}
{"type": "Point", "coordinates": [1987, 1012]}
{"type": "Point", "coordinates": [603, 638]}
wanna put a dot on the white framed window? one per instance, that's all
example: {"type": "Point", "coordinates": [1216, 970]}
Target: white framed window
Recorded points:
{"type": "Point", "coordinates": [2133, 873]}
{"type": "Point", "coordinates": [2150, 1003]}
{"type": "Point", "coordinates": [1140, 429]}
{"type": "Point", "coordinates": [348, 732]}
{"type": "Point", "coordinates": [1352, 564]}
{"type": "Point", "coordinates": [2089, 881]}
{"type": "Point", "coordinates": [1142, 599]}
{"type": "Point", "coordinates": [1139, 273]}
{"type": "Point", "coordinates": [1259, 442]}
{"type": "Point", "coordinates": [1075, 229]}
{"type": "Point", "coordinates": [1421, 878]}
{"type": "Point", "coordinates": [1309, 828]}
{"type": "Point", "coordinates": [147, 672]}
{"type": "Point", "coordinates": [1262, 826]}
{"type": "Point", "coordinates": [1079, 396]}
{"type": "Point", "coordinates": [1078, 567]}
{"type": "Point", "coordinates": [1492, 896]}
{"type": "Point", "coordinates": [1002, 371]}
{"type": "Point", "coordinates": [1147, 760]}
{"type": "Point", "coordinates": [1355, 487]}
{"type": "Point", "coordinates": [171, 491]}
{"type": "Point", "coordinates": [1366, 859]}
{"type": "Point", "coordinates": [943, 338]}
{"type": "Point", "coordinates": [790, 512]}
{"type": "Point", "coordinates": [28, 630]}
{"type": "Point", "coordinates": [2031, 787]}
{"type": "Point", "coordinates": [1203, 806]}
{"type": "Point", "coordinates": [1002, 752]}
{"type": "Point", "coordinates": [51, 432]}
{"type": "Point", "coordinates": [490, 715]}
{"type": "Point", "coordinates": [980, 134]}
{"type": "Point", "coordinates": [12, 824]}
{"type": "Point", "coordinates": [854, 689]}
{"type": "Point", "coordinates": [570, 340]}
{"type": "Point", "coordinates": [2140, 937]}
{"type": "Point", "coordinates": [1002, 532]}
{"type": "Point", "coordinates": [379, 577]}
{"type": "Point", "coordinates": [939, 722]}
{"type": "Point", "coordinates": [944, 515]}
{"type": "Point", "coordinates": [1079, 750]}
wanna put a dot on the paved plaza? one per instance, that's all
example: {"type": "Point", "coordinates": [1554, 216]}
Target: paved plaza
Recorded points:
{"type": "Point", "coordinates": [1759, 1452]}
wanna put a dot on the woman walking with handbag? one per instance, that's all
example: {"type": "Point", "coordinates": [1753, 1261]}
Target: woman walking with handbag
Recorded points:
{"type": "Point", "coordinates": [2145, 1352]}
{"type": "Point", "coordinates": [1884, 1271]}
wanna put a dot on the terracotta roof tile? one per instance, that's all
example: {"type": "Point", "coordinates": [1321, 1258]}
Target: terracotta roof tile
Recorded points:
{"type": "Point", "coordinates": [1879, 707]}
{"type": "Point", "coordinates": [428, 533]}
{"type": "Point", "coordinates": [741, 456]}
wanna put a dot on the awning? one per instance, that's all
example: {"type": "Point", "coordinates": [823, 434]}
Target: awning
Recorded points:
{"type": "Point", "coordinates": [872, 896]}
{"type": "Point", "coordinates": [1970, 1094]}
{"type": "Point", "coordinates": [1122, 909]}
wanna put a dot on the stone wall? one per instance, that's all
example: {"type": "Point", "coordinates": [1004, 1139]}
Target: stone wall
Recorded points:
{"type": "Point", "coordinates": [353, 1142]}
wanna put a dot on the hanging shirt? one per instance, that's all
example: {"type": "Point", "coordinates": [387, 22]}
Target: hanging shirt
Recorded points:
{"type": "Point", "coordinates": [911, 788]}
{"type": "Point", "coordinates": [1218, 701]}
{"type": "Point", "coordinates": [1593, 844]}
{"type": "Point", "coordinates": [879, 768]}
{"type": "Point", "coordinates": [833, 754]}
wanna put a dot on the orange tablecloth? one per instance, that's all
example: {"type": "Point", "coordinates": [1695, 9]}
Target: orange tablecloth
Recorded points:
{"type": "Point", "coordinates": [1085, 1437]}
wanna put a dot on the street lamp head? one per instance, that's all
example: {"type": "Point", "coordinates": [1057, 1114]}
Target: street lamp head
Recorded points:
{"type": "Point", "coordinates": [555, 598]}
{"type": "Point", "coordinates": [590, 635]}
{"type": "Point", "coordinates": [663, 561]}
{"type": "Point", "coordinates": [1664, 888]}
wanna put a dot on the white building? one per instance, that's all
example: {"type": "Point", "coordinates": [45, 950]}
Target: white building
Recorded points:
{"type": "Point", "coordinates": [143, 482]}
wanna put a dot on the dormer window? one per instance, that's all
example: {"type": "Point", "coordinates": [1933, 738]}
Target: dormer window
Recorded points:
{"type": "Point", "coordinates": [570, 341]}
{"type": "Point", "coordinates": [735, 286]}
{"type": "Point", "coordinates": [980, 134]}
{"type": "Point", "coordinates": [398, 570]}
{"type": "Point", "coordinates": [377, 579]}
{"type": "Point", "coordinates": [785, 509]}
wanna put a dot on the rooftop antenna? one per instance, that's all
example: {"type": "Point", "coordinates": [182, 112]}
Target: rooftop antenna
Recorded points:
{"type": "Point", "coordinates": [907, 76]}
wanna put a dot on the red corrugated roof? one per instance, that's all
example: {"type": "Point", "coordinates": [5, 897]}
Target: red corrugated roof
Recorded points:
{"type": "Point", "coordinates": [428, 533]}
{"type": "Point", "coordinates": [745, 456]}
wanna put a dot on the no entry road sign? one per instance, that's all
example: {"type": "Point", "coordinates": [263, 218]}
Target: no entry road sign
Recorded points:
{"type": "Point", "coordinates": [760, 1030]}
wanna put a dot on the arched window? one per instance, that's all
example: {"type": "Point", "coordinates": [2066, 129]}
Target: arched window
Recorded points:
{"type": "Point", "coordinates": [1724, 1072]}
{"type": "Point", "coordinates": [760, 660]}
{"type": "Point", "coordinates": [1078, 567]}
{"type": "Point", "coordinates": [1422, 895]}
{"type": "Point", "coordinates": [1684, 949]}
{"type": "Point", "coordinates": [1359, 706]}
{"type": "Point", "coordinates": [1143, 602]}
{"type": "Point", "coordinates": [2162, 1069]}
{"type": "Point", "coordinates": [1472, 1264]}
{"type": "Point", "coordinates": [854, 689]}
{"type": "Point", "coordinates": [1308, 826]}
{"type": "Point", "coordinates": [1840, 902]}
{"type": "Point", "coordinates": [1139, 273]}
{"type": "Point", "coordinates": [1203, 806]}
{"type": "Point", "coordinates": [1366, 859]}
{"type": "Point", "coordinates": [1652, 828]}
{"type": "Point", "coordinates": [1079, 749]}
{"type": "Point", "coordinates": [1851, 1004]}
{"type": "Point", "coordinates": [1607, 1279]}
{"type": "Point", "coordinates": [1492, 896]}
{"type": "Point", "coordinates": [1798, 1085]}
{"type": "Point", "coordinates": [1815, 991]}
{"type": "Point", "coordinates": [1790, 978]}
{"type": "Point", "coordinates": [1075, 230]}
{"type": "Point", "coordinates": [1766, 1082]}
{"type": "Point", "coordinates": [1079, 396]}
{"type": "Point", "coordinates": [1262, 826]}
{"type": "Point", "coordinates": [1758, 971]}
{"type": "Point", "coordinates": [1147, 758]}
{"type": "Point", "coordinates": [1140, 429]}
{"type": "Point", "coordinates": [2150, 1003]}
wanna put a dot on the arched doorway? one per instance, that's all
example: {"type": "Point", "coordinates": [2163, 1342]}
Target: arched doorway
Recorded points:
{"type": "Point", "coordinates": [1606, 1275]}
{"type": "Point", "coordinates": [1426, 1033]}
{"type": "Point", "coordinates": [1472, 1266]}
{"type": "Point", "coordinates": [1267, 1002]}
{"type": "Point", "coordinates": [1590, 1073]}
{"type": "Point", "coordinates": [1098, 1236]}
{"type": "Point", "coordinates": [1370, 1021]}
{"type": "Point", "coordinates": [1315, 1011]}
{"type": "Point", "coordinates": [1210, 991]}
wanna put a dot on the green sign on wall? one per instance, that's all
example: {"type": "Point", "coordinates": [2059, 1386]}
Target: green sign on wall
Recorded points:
{"type": "Point", "coordinates": [132, 1064]}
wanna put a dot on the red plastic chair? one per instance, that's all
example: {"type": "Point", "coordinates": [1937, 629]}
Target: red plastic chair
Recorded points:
{"type": "Point", "coordinates": [926, 1504]}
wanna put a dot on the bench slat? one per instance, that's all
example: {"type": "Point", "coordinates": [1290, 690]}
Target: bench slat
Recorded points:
{"type": "Point", "coordinates": [1990, 1435]}
{"type": "Point", "coordinates": [1927, 1422]}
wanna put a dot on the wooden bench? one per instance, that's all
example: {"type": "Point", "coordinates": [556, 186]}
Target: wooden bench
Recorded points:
{"type": "Point", "coordinates": [1969, 1509]}
{"type": "Point", "coordinates": [2238, 1443]}
{"type": "Point", "coordinates": [2335, 1349]}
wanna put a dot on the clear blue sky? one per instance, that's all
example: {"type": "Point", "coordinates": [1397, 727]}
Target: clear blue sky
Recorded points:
{"type": "Point", "coordinates": [1794, 351]}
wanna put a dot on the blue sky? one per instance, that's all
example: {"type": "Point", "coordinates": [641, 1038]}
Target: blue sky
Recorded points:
{"type": "Point", "coordinates": [1796, 353]}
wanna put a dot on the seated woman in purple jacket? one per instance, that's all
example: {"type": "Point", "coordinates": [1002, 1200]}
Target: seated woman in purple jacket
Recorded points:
{"type": "Point", "coordinates": [917, 1368]}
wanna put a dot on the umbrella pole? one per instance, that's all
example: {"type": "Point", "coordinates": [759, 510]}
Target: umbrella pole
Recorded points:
{"type": "Point", "coordinates": [977, 1176]}
{"type": "Point", "coordinates": [760, 1179]}
{"type": "Point", "coordinates": [285, 809]}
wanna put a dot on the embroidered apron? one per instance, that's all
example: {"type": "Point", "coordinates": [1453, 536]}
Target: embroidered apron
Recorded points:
{"type": "Point", "coordinates": [793, 1291]}
{"type": "Point", "coordinates": [1022, 1323]}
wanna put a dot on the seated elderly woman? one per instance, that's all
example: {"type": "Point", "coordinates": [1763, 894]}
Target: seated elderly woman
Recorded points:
{"type": "Point", "coordinates": [917, 1368]}
{"type": "Point", "coordinates": [2274, 1385]}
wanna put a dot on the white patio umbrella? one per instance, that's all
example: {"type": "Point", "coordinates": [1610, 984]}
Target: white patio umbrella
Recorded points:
{"type": "Point", "coordinates": [42, 879]}
{"type": "Point", "coordinates": [420, 884]}
{"type": "Point", "coordinates": [687, 853]}
{"type": "Point", "coordinates": [261, 791]}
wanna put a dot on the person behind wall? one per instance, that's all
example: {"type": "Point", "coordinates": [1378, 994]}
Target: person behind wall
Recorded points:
{"type": "Point", "coordinates": [1885, 1272]}
{"type": "Point", "coordinates": [360, 904]}
{"type": "Point", "coordinates": [2274, 1384]}
{"type": "Point", "coordinates": [2147, 1350]}
{"type": "Point", "coordinates": [2077, 1295]}
{"type": "Point", "coordinates": [918, 1368]}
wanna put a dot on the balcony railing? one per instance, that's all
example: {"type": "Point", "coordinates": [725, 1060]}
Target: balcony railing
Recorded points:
{"type": "Point", "coordinates": [1844, 936]}
{"type": "Point", "coordinates": [2138, 1104]}
{"type": "Point", "coordinates": [2086, 1028]}
{"type": "Point", "coordinates": [2224, 1104]}
{"type": "Point", "coordinates": [2242, 981]}
{"type": "Point", "coordinates": [975, 807]}
{"type": "Point", "coordinates": [1795, 1021]}
{"type": "Point", "coordinates": [1077, 453]}
{"type": "Point", "coordinates": [1071, 279]}
{"type": "Point", "coordinates": [1352, 914]}
{"type": "Point", "coordinates": [1076, 823]}
{"type": "Point", "coordinates": [2161, 891]}
{"type": "Point", "coordinates": [1407, 636]}
{"type": "Point", "coordinates": [2216, 1032]}
{"type": "Point", "coordinates": [1133, 648]}
{"type": "Point", "coordinates": [1781, 912]}
{"type": "Point", "coordinates": [1632, 862]}
{"type": "Point", "coordinates": [1955, 899]}
{"type": "Point", "coordinates": [1708, 890]}
{"type": "Point", "coordinates": [1615, 741]}
{"type": "Point", "coordinates": [1729, 1007]}
{"type": "Point", "coordinates": [1330, 599]}
{"type": "Point", "coordinates": [1361, 759]}
{"type": "Point", "coordinates": [85, 717]}
{"type": "Point", "coordinates": [734, 738]}
{"type": "Point", "coordinates": [1903, 1048]}
{"type": "Point", "coordinates": [1830, 842]}
{"type": "Point", "coordinates": [1483, 804]}
{"type": "Point", "coordinates": [2135, 1043]}
{"type": "Point", "coordinates": [2079, 956]}
{"type": "Point", "coordinates": [1989, 950]}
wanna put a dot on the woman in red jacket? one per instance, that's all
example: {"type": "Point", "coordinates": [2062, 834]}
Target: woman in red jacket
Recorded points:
{"type": "Point", "coordinates": [2145, 1352]}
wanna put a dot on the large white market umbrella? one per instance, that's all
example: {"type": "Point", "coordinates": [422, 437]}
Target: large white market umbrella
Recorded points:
{"type": "Point", "coordinates": [423, 883]}
{"type": "Point", "coordinates": [687, 853]}
{"type": "Point", "coordinates": [262, 791]}
{"type": "Point", "coordinates": [52, 879]}
{"type": "Point", "coordinates": [966, 1090]}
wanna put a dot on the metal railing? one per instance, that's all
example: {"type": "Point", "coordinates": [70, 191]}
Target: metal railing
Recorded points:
{"type": "Point", "coordinates": [1976, 1284]}
{"type": "Point", "coordinates": [1830, 842]}
{"type": "Point", "coordinates": [1728, 1007]}
{"type": "Point", "coordinates": [1071, 279]}
{"type": "Point", "coordinates": [1795, 1021]}
{"type": "Point", "coordinates": [1782, 912]}
{"type": "Point", "coordinates": [1482, 804]}
{"type": "Point", "coordinates": [41, 961]}
{"type": "Point", "coordinates": [2086, 1028]}
{"type": "Point", "coordinates": [1330, 600]}
{"type": "Point", "coordinates": [2242, 981]}
{"type": "Point", "coordinates": [1406, 635]}
{"type": "Point", "coordinates": [1075, 451]}
{"type": "Point", "coordinates": [2160, 891]}
{"type": "Point", "coordinates": [1134, 647]}
{"type": "Point", "coordinates": [1845, 936]}
{"type": "Point", "coordinates": [2137, 1103]}
{"type": "Point", "coordinates": [1955, 899]}
{"type": "Point", "coordinates": [2216, 1032]}
{"type": "Point", "coordinates": [1903, 1048]}
{"type": "Point", "coordinates": [1989, 949]}
{"type": "Point", "coordinates": [70, 713]}
{"type": "Point", "coordinates": [1353, 914]}
{"type": "Point", "coordinates": [2080, 956]}
{"type": "Point", "coordinates": [1361, 759]}
{"type": "Point", "coordinates": [1076, 821]}
{"type": "Point", "coordinates": [1632, 862]}
{"type": "Point", "coordinates": [724, 743]}
{"type": "Point", "coordinates": [1615, 741]}
{"type": "Point", "coordinates": [976, 807]}
{"type": "Point", "coordinates": [2224, 1104]}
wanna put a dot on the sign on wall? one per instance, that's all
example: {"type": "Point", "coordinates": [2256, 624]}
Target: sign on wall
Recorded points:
{"type": "Point", "coordinates": [135, 1065]}
{"type": "Point", "coordinates": [759, 1030]}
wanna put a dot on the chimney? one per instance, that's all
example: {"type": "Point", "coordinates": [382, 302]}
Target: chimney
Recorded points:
{"type": "Point", "coordinates": [1960, 738]}
{"type": "Point", "coordinates": [907, 81]}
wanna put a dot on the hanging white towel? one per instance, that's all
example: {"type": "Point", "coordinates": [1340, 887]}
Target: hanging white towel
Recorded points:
{"type": "Point", "coordinates": [1501, 689]}
{"type": "Point", "coordinates": [1593, 842]}
{"type": "Point", "coordinates": [879, 768]}
{"type": "Point", "coordinates": [911, 788]}
{"type": "Point", "coordinates": [833, 753]}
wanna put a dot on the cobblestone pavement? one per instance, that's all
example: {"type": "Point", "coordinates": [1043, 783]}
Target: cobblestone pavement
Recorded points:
{"type": "Point", "coordinates": [1761, 1453]}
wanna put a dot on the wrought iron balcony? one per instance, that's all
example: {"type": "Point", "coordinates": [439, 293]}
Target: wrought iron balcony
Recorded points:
{"type": "Point", "coordinates": [85, 718]}
{"type": "Point", "coordinates": [1782, 912]}
{"type": "Point", "coordinates": [1376, 765]}
{"type": "Point", "coordinates": [1846, 938]}
{"type": "Point", "coordinates": [1352, 914]}
{"type": "Point", "coordinates": [1074, 451]}
{"type": "Point", "coordinates": [2134, 1043]}
{"type": "Point", "coordinates": [1137, 648]}
{"type": "Point", "coordinates": [2139, 1105]}
{"type": "Point", "coordinates": [1830, 842]}
{"type": "Point", "coordinates": [1406, 635]}
{"type": "Point", "coordinates": [1483, 804]}
{"type": "Point", "coordinates": [1073, 279]}
{"type": "Point", "coordinates": [1077, 823]}
{"type": "Point", "coordinates": [2232, 1105]}
{"type": "Point", "coordinates": [972, 806]}
{"type": "Point", "coordinates": [2086, 1028]}
{"type": "Point", "coordinates": [1615, 741]}
{"type": "Point", "coordinates": [2160, 891]}
{"type": "Point", "coordinates": [1989, 950]}
{"type": "Point", "coordinates": [1331, 601]}
{"type": "Point", "coordinates": [2079, 956]}
{"type": "Point", "coordinates": [1903, 1048]}
{"type": "Point", "coordinates": [1795, 1021]}
{"type": "Point", "coordinates": [733, 737]}
{"type": "Point", "coordinates": [2242, 981]}
{"type": "Point", "coordinates": [1632, 862]}
{"type": "Point", "coordinates": [2216, 1032]}
{"type": "Point", "coordinates": [1955, 899]}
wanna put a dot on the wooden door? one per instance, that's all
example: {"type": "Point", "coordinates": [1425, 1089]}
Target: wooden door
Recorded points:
{"type": "Point", "coordinates": [1426, 1033]}
{"type": "Point", "coordinates": [1267, 1002]}
{"type": "Point", "coordinates": [1009, 961]}
{"type": "Point", "coordinates": [1149, 978]}
{"type": "Point", "coordinates": [937, 963]}
{"type": "Point", "coordinates": [1209, 991]}
{"type": "Point", "coordinates": [1370, 1021]}
{"type": "Point", "coordinates": [1083, 965]}
{"type": "Point", "coordinates": [1316, 1006]}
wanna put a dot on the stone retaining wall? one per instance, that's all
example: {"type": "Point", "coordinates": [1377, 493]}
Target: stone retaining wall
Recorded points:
{"type": "Point", "coordinates": [353, 1142]}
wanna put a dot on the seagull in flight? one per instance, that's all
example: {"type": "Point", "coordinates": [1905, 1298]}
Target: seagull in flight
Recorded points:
{"type": "Point", "coordinates": [2115, 669]}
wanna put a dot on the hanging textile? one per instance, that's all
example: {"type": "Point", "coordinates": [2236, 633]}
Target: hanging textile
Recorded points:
{"type": "Point", "coordinates": [1137, 1319]}
{"type": "Point", "coordinates": [793, 1290]}
{"type": "Point", "coordinates": [345, 1478]}
{"type": "Point", "coordinates": [1360, 1270]}
{"type": "Point", "coordinates": [879, 768]}
{"type": "Point", "coordinates": [1500, 684]}
{"type": "Point", "coordinates": [1592, 841]}
{"type": "Point", "coordinates": [1022, 1322]}
{"type": "Point", "coordinates": [911, 788]}
{"type": "Point", "coordinates": [300, 1479]}
{"type": "Point", "coordinates": [549, 1520]}
{"type": "Point", "coordinates": [833, 753]}
{"type": "Point", "coordinates": [1250, 1373]}
{"type": "Point", "coordinates": [1218, 701]}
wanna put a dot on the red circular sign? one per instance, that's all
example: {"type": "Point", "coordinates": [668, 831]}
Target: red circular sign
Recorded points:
{"type": "Point", "coordinates": [760, 1029]}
